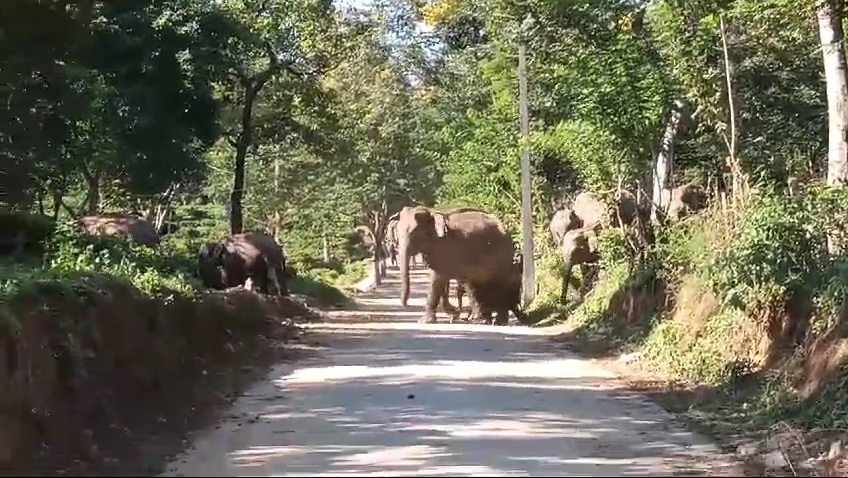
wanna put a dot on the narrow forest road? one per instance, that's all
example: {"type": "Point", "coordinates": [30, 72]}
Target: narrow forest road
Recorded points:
{"type": "Point", "coordinates": [393, 397]}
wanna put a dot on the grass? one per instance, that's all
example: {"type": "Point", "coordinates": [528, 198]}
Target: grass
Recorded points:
{"type": "Point", "coordinates": [81, 261]}
{"type": "Point", "coordinates": [330, 286]}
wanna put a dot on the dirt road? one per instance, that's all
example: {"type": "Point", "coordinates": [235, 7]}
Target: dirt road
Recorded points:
{"type": "Point", "coordinates": [393, 397]}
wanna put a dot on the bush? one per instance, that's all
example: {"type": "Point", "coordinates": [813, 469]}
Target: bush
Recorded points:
{"type": "Point", "coordinates": [166, 268]}
{"type": "Point", "coordinates": [36, 229]}
{"type": "Point", "coordinates": [737, 293]}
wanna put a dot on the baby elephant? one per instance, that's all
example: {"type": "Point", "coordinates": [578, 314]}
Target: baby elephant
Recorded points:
{"type": "Point", "coordinates": [495, 297]}
{"type": "Point", "coordinates": [577, 251]}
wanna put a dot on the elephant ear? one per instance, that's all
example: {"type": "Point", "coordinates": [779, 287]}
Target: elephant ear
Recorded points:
{"type": "Point", "coordinates": [439, 224]}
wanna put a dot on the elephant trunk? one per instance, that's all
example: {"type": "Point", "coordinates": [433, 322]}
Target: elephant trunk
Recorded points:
{"type": "Point", "coordinates": [404, 253]}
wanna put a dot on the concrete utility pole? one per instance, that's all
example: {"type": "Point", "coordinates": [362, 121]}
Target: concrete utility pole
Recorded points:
{"type": "Point", "coordinates": [277, 218]}
{"type": "Point", "coordinates": [528, 278]}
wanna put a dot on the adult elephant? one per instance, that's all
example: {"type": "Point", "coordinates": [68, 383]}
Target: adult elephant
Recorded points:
{"type": "Point", "coordinates": [590, 211]}
{"type": "Point", "coordinates": [683, 200]}
{"type": "Point", "coordinates": [238, 257]}
{"type": "Point", "coordinates": [140, 230]}
{"type": "Point", "coordinates": [466, 244]}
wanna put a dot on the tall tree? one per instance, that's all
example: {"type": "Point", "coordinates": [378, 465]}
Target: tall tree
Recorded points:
{"type": "Point", "coordinates": [829, 14]}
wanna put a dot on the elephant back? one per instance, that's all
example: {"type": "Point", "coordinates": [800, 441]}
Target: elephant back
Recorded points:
{"type": "Point", "coordinates": [594, 212]}
{"type": "Point", "coordinates": [254, 244]}
{"type": "Point", "coordinates": [487, 245]}
{"type": "Point", "coordinates": [471, 221]}
{"type": "Point", "coordinates": [591, 210]}
{"type": "Point", "coordinates": [122, 225]}
{"type": "Point", "coordinates": [563, 221]}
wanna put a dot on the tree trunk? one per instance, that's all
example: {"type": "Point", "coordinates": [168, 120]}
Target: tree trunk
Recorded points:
{"type": "Point", "coordinates": [164, 206]}
{"type": "Point", "coordinates": [245, 139]}
{"type": "Point", "coordinates": [252, 87]}
{"type": "Point", "coordinates": [277, 218]}
{"type": "Point", "coordinates": [376, 225]}
{"type": "Point", "coordinates": [833, 54]}
{"type": "Point", "coordinates": [829, 14]}
{"type": "Point", "coordinates": [40, 197]}
{"type": "Point", "coordinates": [92, 197]}
{"type": "Point", "coordinates": [732, 162]}
{"type": "Point", "coordinates": [664, 161]}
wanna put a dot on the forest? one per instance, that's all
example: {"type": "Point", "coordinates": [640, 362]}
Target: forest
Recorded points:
{"type": "Point", "coordinates": [316, 121]}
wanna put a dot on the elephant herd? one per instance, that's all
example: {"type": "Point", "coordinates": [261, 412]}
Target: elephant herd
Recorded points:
{"type": "Point", "coordinates": [471, 247]}
{"type": "Point", "coordinates": [466, 245]}
{"type": "Point", "coordinates": [574, 229]}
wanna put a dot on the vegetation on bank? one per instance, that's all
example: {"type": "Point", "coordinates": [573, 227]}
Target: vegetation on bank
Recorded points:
{"type": "Point", "coordinates": [73, 260]}
{"type": "Point", "coordinates": [743, 302]}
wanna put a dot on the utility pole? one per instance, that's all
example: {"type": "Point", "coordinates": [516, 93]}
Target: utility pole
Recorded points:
{"type": "Point", "coordinates": [277, 218]}
{"type": "Point", "coordinates": [528, 274]}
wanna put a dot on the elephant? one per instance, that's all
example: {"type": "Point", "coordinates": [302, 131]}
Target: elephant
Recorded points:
{"type": "Point", "coordinates": [138, 229]}
{"type": "Point", "coordinates": [499, 297]}
{"type": "Point", "coordinates": [683, 200]}
{"type": "Point", "coordinates": [490, 297]}
{"type": "Point", "coordinates": [577, 250]}
{"type": "Point", "coordinates": [484, 299]}
{"type": "Point", "coordinates": [392, 241]}
{"type": "Point", "coordinates": [237, 258]}
{"type": "Point", "coordinates": [591, 211]}
{"type": "Point", "coordinates": [466, 244]}
{"type": "Point", "coordinates": [563, 221]}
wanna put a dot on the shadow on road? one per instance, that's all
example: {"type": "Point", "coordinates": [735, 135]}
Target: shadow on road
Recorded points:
{"type": "Point", "coordinates": [393, 397]}
{"type": "Point", "coordinates": [382, 304]}
{"type": "Point", "coordinates": [412, 403]}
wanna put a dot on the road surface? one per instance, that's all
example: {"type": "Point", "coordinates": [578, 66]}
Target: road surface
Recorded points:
{"type": "Point", "coordinates": [392, 397]}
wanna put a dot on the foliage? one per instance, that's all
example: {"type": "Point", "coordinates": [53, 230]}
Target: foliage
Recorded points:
{"type": "Point", "coordinates": [319, 120]}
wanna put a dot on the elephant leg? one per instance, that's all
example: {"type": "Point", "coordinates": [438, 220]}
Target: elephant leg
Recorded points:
{"type": "Point", "coordinates": [437, 287]}
{"type": "Point", "coordinates": [566, 279]}
{"type": "Point", "coordinates": [284, 278]}
{"type": "Point", "coordinates": [502, 317]}
{"type": "Point", "coordinates": [453, 313]}
{"type": "Point", "coordinates": [263, 276]}
{"type": "Point", "coordinates": [585, 274]}
{"type": "Point", "coordinates": [477, 313]}
{"type": "Point", "coordinates": [274, 281]}
{"type": "Point", "coordinates": [519, 315]}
